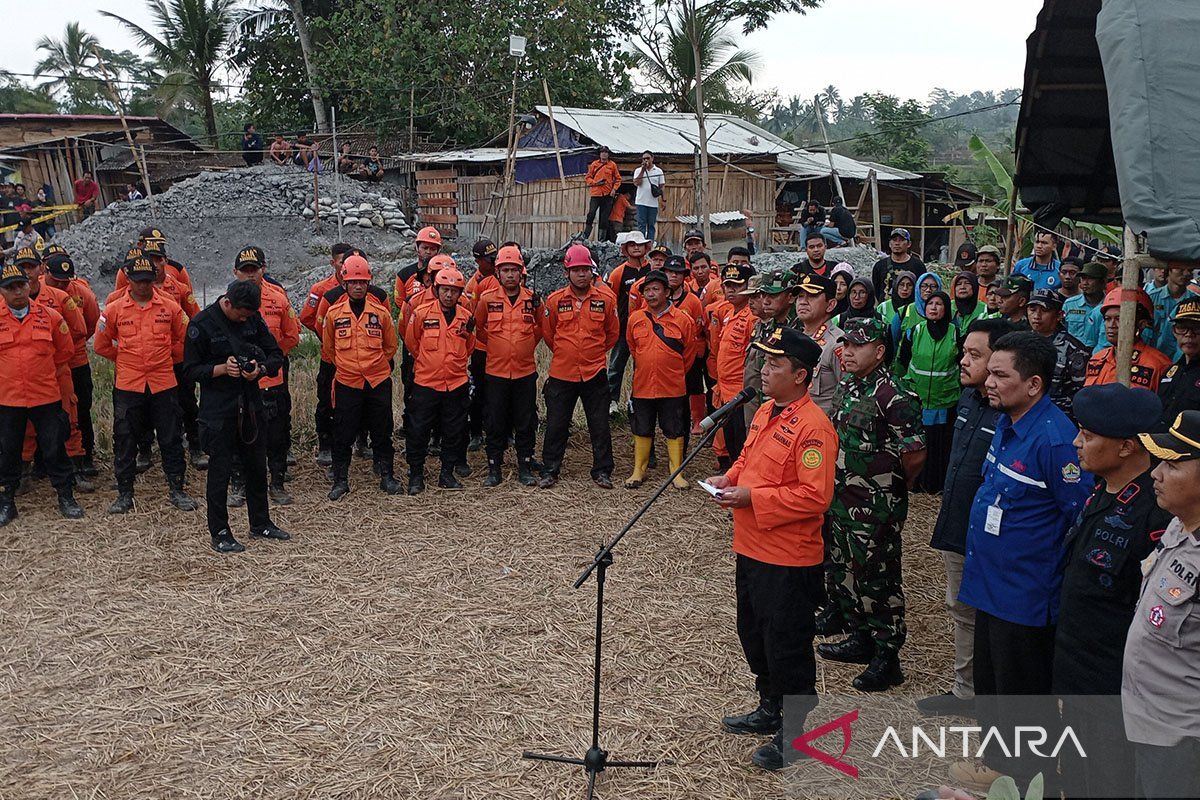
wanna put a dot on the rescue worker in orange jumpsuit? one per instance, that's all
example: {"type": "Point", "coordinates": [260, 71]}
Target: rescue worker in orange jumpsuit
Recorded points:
{"type": "Point", "coordinates": [663, 343]}
{"type": "Point", "coordinates": [703, 280]}
{"type": "Point", "coordinates": [1149, 364]}
{"type": "Point", "coordinates": [730, 329]}
{"type": "Point", "coordinates": [624, 281]}
{"type": "Point", "coordinates": [408, 281]}
{"type": "Point", "coordinates": [41, 292]}
{"type": "Point", "coordinates": [779, 490]}
{"type": "Point", "coordinates": [508, 325]}
{"type": "Point", "coordinates": [60, 274]}
{"type": "Point", "coordinates": [678, 272]}
{"type": "Point", "coordinates": [308, 318]}
{"type": "Point", "coordinates": [580, 326]}
{"type": "Point", "coordinates": [484, 279]}
{"type": "Point", "coordinates": [276, 310]}
{"type": "Point", "coordinates": [441, 336]}
{"type": "Point", "coordinates": [359, 339]}
{"type": "Point", "coordinates": [176, 271]}
{"type": "Point", "coordinates": [142, 331]}
{"type": "Point", "coordinates": [35, 343]}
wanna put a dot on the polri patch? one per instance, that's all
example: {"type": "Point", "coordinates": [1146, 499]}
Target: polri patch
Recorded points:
{"type": "Point", "coordinates": [1157, 617]}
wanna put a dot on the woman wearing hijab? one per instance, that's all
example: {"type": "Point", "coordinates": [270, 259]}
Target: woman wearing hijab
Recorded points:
{"type": "Point", "coordinates": [904, 286]}
{"type": "Point", "coordinates": [842, 275]}
{"type": "Point", "coordinates": [967, 306]}
{"type": "Point", "coordinates": [905, 321]}
{"type": "Point", "coordinates": [858, 300]}
{"type": "Point", "coordinates": [927, 363]}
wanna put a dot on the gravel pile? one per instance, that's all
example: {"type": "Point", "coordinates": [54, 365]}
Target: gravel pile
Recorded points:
{"type": "Point", "coordinates": [208, 218]}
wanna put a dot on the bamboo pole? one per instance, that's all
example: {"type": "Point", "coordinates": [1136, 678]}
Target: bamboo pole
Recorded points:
{"type": "Point", "coordinates": [120, 104]}
{"type": "Point", "coordinates": [1127, 324]}
{"type": "Point", "coordinates": [875, 221]}
{"type": "Point", "coordinates": [837, 181]}
{"type": "Point", "coordinates": [562, 178]}
{"type": "Point", "coordinates": [1010, 257]}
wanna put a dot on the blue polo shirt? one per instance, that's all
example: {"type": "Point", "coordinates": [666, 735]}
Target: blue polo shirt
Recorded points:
{"type": "Point", "coordinates": [1164, 310]}
{"type": "Point", "coordinates": [1075, 313]}
{"type": "Point", "coordinates": [1031, 474]}
{"type": "Point", "coordinates": [1042, 277]}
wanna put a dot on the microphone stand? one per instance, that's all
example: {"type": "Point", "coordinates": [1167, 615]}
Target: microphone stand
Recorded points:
{"type": "Point", "coordinates": [596, 759]}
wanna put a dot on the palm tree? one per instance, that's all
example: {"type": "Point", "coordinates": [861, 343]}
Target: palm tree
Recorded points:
{"type": "Point", "coordinates": [72, 67]}
{"type": "Point", "coordinates": [668, 66]}
{"type": "Point", "coordinates": [191, 45]}
{"type": "Point", "coordinates": [831, 98]}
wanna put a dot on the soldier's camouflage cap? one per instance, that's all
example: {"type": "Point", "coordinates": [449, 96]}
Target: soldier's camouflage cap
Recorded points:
{"type": "Point", "coordinates": [860, 330]}
{"type": "Point", "coordinates": [776, 282]}
{"type": "Point", "coordinates": [753, 286]}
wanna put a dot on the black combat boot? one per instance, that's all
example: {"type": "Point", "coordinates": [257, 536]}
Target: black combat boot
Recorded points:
{"type": "Point", "coordinates": [857, 648]}
{"type": "Point", "coordinates": [89, 466]}
{"type": "Point", "coordinates": [448, 480]}
{"type": "Point", "coordinates": [178, 497]}
{"type": "Point", "coordinates": [764, 720]}
{"type": "Point", "coordinates": [123, 504]}
{"type": "Point", "coordinates": [8, 508]}
{"type": "Point", "coordinates": [882, 673]}
{"type": "Point", "coordinates": [278, 492]}
{"type": "Point", "coordinates": [237, 493]}
{"type": "Point", "coordinates": [341, 482]}
{"type": "Point", "coordinates": [68, 507]}
{"type": "Point", "coordinates": [525, 473]}
{"type": "Point", "coordinates": [494, 477]}
{"type": "Point", "coordinates": [416, 482]}
{"type": "Point", "coordinates": [197, 457]}
{"type": "Point", "coordinates": [387, 480]}
{"type": "Point", "coordinates": [831, 622]}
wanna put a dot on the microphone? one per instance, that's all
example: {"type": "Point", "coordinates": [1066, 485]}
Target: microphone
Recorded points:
{"type": "Point", "coordinates": [713, 419]}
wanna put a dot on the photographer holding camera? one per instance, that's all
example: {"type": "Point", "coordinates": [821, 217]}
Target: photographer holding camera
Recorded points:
{"type": "Point", "coordinates": [227, 349]}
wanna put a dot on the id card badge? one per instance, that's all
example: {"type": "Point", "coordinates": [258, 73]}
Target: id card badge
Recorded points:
{"type": "Point", "coordinates": [994, 515]}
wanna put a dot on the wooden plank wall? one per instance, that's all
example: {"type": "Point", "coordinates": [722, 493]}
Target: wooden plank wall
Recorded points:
{"type": "Point", "coordinates": [59, 164]}
{"type": "Point", "coordinates": [437, 200]}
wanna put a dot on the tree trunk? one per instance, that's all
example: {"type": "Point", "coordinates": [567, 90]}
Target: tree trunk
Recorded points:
{"type": "Point", "coordinates": [318, 99]}
{"type": "Point", "coordinates": [210, 116]}
{"type": "Point", "coordinates": [702, 178]}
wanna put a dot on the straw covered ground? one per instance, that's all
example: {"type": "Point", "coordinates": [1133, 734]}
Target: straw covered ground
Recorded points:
{"type": "Point", "coordinates": [396, 647]}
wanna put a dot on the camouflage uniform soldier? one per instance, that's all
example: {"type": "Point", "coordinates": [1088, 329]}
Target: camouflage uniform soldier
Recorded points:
{"type": "Point", "coordinates": [773, 293]}
{"type": "Point", "coordinates": [882, 450]}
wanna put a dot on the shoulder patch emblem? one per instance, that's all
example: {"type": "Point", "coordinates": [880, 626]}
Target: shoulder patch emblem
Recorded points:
{"type": "Point", "coordinates": [811, 458]}
{"type": "Point", "coordinates": [62, 327]}
{"type": "Point", "coordinates": [193, 333]}
{"type": "Point", "coordinates": [1070, 473]}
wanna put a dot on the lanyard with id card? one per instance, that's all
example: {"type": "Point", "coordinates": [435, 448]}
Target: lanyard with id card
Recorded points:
{"type": "Point", "coordinates": [994, 515]}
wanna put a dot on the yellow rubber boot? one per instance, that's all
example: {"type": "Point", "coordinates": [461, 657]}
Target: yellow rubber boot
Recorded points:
{"type": "Point", "coordinates": [675, 457]}
{"type": "Point", "coordinates": [641, 461]}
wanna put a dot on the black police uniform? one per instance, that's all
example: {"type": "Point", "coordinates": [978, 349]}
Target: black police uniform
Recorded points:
{"type": "Point", "coordinates": [407, 362]}
{"type": "Point", "coordinates": [1179, 390]}
{"type": "Point", "coordinates": [231, 414]}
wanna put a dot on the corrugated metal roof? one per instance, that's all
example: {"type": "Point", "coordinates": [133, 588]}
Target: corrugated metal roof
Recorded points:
{"type": "Point", "coordinates": [716, 218]}
{"type": "Point", "coordinates": [676, 133]}
{"type": "Point", "coordinates": [485, 154]}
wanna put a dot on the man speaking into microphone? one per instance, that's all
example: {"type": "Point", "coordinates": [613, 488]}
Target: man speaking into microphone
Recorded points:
{"type": "Point", "coordinates": [779, 490]}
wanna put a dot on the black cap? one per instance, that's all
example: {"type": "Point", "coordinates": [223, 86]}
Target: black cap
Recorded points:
{"type": "Point", "coordinates": [676, 264]}
{"type": "Point", "coordinates": [1187, 312]}
{"type": "Point", "coordinates": [154, 247]}
{"type": "Point", "coordinates": [60, 267]}
{"type": "Point", "coordinates": [812, 283]}
{"type": "Point", "coordinates": [1016, 284]}
{"type": "Point", "coordinates": [694, 233]}
{"type": "Point", "coordinates": [660, 249]}
{"type": "Point", "coordinates": [656, 275]}
{"type": "Point", "coordinates": [1180, 443]}
{"type": "Point", "coordinates": [484, 248]}
{"type": "Point", "coordinates": [250, 257]}
{"type": "Point", "coordinates": [786, 341]}
{"type": "Point", "coordinates": [152, 235]}
{"type": "Point", "coordinates": [140, 269]}
{"type": "Point", "coordinates": [1116, 411]}
{"type": "Point", "coordinates": [11, 275]}
{"type": "Point", "coordinates": [1047, 299]}
{"type": "Point", "coordinates": [1094, 269]}
{"type": "Point", "coordinates": [736, 273]}
{"type": "Point", "coordinates": [27, 255]}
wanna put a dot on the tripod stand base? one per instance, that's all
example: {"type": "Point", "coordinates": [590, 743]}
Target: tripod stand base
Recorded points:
{"type": "Point", "coordinates": [593, 762]}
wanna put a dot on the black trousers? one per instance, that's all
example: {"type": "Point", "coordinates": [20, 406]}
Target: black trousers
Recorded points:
{"type": "Point", "coordinates": [1108, 769]}
{"type": "Point", "coordinates": [511, 409]}
{"type": "Point", "coordinates": [618, 359]}
{"type": "Point", "coordinates": [1012, 659]}
{"type": "Point", "coordinates": [324, 415]}
{"type": "Point", "coordinates": [224, 440]}
{"type": "Point", "coordinates": [408, 369]}
{"type": "Point", "coordinates": [1168, 771]}
{"type": "Point", "coordinates": [368, 408]}
{"type": "Point", "coordinates": [187, 406]}
{"type": "Point", "coordinates": [81, 377]}
{"type": "Point", "coordinates": [735, 433]}
{"type": "Point", "coordinates": [444, 411]}
{"type": "Point", "coordinates": [560, 405]}
{"type": "Point", "coordinates": [277, 401]}
{"type": "Point", "coordinates": [51, 424]}
{"type": "Point", "coordinates": [604, 206]}
{"type": "Point", "coordinates": [477, 414]}
{"type": "Point", "coordinates": [137, 415]}
{"type": "Point", "coordinates": [670, 413]}
{"type": "Point", "coordinates": [776, 623]}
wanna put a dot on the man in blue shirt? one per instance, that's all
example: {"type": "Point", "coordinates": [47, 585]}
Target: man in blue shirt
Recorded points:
{"type": "Point", "coordinates": [1093, 277]}
{"type": "Point", "coordinates": [1032, 491]}
{"type": "Point", "coordinates": [1165, 298]}
{"type": "Point", "coordinates": [1042, 266]}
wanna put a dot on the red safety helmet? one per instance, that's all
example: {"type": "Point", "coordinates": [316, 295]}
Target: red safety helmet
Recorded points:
{"type": "Point", "coordinates": [449, 276]}
{"type": "Point", "coordinates": [510, 255]}
{"type": "Point", "coordinates": [356, 268]}
{"type": "Point", "coordinates": [1113, 300]}
{"type": "Point", "coordinates": [578, 256]}
{"type": "Point", "coordinates": [440, 262]}
{"type": "Point", "coordinates": [429, 235]}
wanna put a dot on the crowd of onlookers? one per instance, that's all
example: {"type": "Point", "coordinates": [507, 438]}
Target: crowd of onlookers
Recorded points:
{"type": "Point", "coordinates": [302, 151]}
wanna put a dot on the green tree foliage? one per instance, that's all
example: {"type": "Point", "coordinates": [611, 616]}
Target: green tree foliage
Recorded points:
{"type": "Point", "coordinates": [454, 54]}
{"type": "Point", "coordinates": [17, 98]}
{"type": "Point", "coordinates": [70, 70]}
{"type": "Point", "coordinates": [666, 62]}
{"type": "Point", "coordinates": [897, 138]}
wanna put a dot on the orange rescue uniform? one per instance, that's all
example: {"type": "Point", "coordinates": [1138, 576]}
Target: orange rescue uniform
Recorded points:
{"type": "Point", "coordinates": [441, 350]}
{"type": "Point", "coordinates": [1146, 370]}
{"type": "Point", "coordinates": [277, 312]}
{"type": "Point", "coordinates": [33, 351]}
{"type": "Point", "coordinates": [788, 464]}
{"type": "Point", "coordinates": [663, 348]}
{"type": "Point", "coordinates": [144, 341]}
{"type": "Point", "coordinates": [580, 331]}
{"type": "Point", "coordinates": [308, 314]}
{"type": "Point", "coordinates": [730, 332]}
{"type": "Point", "coordinates": [175, 271]}
{"type": "Point", "coordinates": [508, 331]}
{"type": "Point", "coordinates": [79, 291]}
{"type": "Point", "coordinates": [360, 346]}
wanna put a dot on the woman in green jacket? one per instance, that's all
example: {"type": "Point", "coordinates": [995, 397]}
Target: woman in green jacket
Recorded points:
{"type": "Point", "coordinates": [967, 306]}
{"type": "Point", "coordinates": [928, 357]}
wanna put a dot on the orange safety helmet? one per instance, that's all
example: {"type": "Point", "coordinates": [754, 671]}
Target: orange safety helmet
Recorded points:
{"type": "Point", "coordinates": [441, 261]}
{"type": "Point", "coordinates": [356, 268]}
{"type": "Point", "coordinates": [429, 235]}
{"type": "Point", "coordinates": [449, 276]}
{"type": "Point", "coordinates": [510, 255]}
{"type": "Point", "coordinates": [1113, 300]}
{"type": "Point", "coordinates": [578, 256]}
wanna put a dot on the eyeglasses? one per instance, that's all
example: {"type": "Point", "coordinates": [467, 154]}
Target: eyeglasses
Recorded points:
{"type": "Point", "coordinates": [1185, 331]}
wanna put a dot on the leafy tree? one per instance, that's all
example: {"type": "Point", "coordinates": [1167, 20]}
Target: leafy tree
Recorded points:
{"type": "Point", "coordinates": [17, 98]}
{"type": "Point", "coordinates": [290, 17]}
{"type": "Point", "coordinates": [192, 42]}
{"type": "Point", "coordinates": [668, 66]}
{"type": "Point", "coordinates": [897, 139]}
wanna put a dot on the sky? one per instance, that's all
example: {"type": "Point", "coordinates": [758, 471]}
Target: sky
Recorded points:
{"type": "Point", "coordinates": [901, 47]}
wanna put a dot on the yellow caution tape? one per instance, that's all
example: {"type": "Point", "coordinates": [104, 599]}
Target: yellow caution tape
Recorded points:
{"type": "Point", "coordinates": [58, 212]}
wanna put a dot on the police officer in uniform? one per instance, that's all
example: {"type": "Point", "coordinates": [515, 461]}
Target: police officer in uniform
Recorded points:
{"type": "Point", "coordinates": [773, 294]}
{"type": "Point", "coordinates": [1102, 553]}
{"type": "Point", "coordinates": [882, 450]}
{"type": "Point", "coordinates": [1160, 685]}
{"type": "Point", "coordinates": [1179, 389]}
